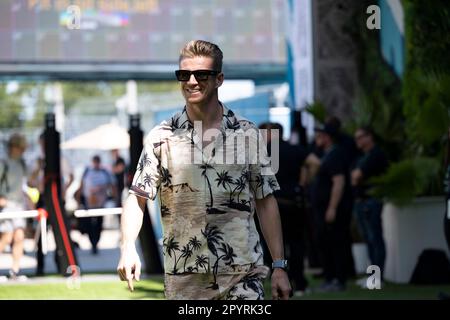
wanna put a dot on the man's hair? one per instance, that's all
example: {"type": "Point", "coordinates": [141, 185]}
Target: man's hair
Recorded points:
{"type": "Point", "coordinates": [367, 130]}
{"type": "Point", "coordinates": [97, 159]}
{"type": "Point", "coordinates": [277, 126]}
{"type": "Point", "coordinates": [271, 126]}
{"type": "Point", "coordinates": [334, 121]}
{"type": "Point", "coordinates": [17, 140]}
{"type": "Point", "coordinates": [264, 125]}
{"type": "Point", "coordinates": [201, 48]}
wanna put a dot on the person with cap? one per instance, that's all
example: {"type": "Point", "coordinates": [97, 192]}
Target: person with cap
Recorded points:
{"type": "Point", "coordinates": [13, 176]}
{"type": "Point", "coordinates": [330, 201]}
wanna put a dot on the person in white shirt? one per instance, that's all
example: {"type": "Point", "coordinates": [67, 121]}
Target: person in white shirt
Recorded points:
{"type": "Point", "coordinates": [13, 176]}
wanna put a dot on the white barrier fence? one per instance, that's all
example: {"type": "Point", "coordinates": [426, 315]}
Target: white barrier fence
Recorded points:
{"type": "Point", "coordinates": [97, 212]}
{"type": "Point", "coordinates": [43, 219]}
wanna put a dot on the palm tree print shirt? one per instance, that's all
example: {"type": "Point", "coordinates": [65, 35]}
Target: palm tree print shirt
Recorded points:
{"type": "Point", "coordinates": [207, 200]}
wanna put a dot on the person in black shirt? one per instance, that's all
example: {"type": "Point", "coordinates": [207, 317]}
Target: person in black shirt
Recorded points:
{"type": "Point", "coordinates": [331, 201]}
{"type": "Point", "coordinates": [289, 198]}
{"type": "Point", "coordinates": [345, 141]}
{"type": "Point", "coordinates": [351, 153]}
{"type": "Point", "coordinates": [118, 169]}
{"type": "Point", "coordinates": [367, 208]}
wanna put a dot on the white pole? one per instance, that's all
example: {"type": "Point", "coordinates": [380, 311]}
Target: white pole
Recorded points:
{"type": "Point", "coordinates": [132, 97]}
{"type": "Point", "coordinates": [43, 223]}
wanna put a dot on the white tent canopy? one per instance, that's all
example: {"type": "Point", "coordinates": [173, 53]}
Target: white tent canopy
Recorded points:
{"type": "Point", "coordinates": [105, 137]}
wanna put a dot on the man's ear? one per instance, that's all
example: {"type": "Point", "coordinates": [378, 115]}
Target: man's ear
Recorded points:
{"type": "Point", "coordinates": [219, 80]}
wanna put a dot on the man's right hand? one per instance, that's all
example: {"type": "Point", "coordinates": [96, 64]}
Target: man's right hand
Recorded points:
{"type": "Point", "coordinates": [129, 267]}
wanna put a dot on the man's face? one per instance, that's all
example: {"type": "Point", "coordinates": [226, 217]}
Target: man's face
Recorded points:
{"type": "Point", "coordinates": [320, 139]}
{"type": "Point", "coordinates": [361, 139]}
{"type": "Point", "coordinates": [199, 92]}
{"type": "Point", "coordinates": [96, 164]}
{"type": "Point", "coordinates": [16, 152]}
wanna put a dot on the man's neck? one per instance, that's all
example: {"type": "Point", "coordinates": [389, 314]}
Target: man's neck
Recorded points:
{"type": "Point", "coordinates": [328, 147]}
{"type": "Point", "coordinates": [369, 147]}
{"type": "Point", "coordinates": [15, 156]}
{"type": "Point", "coordinates": [210, 114]}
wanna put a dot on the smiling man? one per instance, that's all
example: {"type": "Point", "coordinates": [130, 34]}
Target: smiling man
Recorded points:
{"type": "Point", "coordinates": [211, 246]}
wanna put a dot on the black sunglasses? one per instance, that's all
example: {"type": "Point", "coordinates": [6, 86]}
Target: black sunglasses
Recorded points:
{"type": "Point", "coordinates": [200, 75]}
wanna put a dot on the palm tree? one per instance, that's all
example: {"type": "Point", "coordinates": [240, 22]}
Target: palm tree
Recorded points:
{"type": "Point", "coordinates": [205, 167]}
{"type": "Point", "coordinates": [224, 179]}
{"type": "Point", "coordinates": [195, 243]}
{"type": "Point", "coordinates": [166, 177]}
{"type": "Point", "coordinates": [143, 162]}
{"type": "Point", "coordinates": [148, 180]}
{"type": "Point", "coordinates": [272, 183]}
{"type": "Point", "coordinates": [241, 183]}
{"type": "Point", "coordinates": [259, 183]}
{"type": "Point", "coordinates": [175, 123]}
{"type": "Point", "coordinates": [228, 258]}
{"type": "Point", "coordinates": [213, 236]}
{"type": "Point", "coordinates": [252, 282]}
{"type": "Point", "coordinates": [172, 246]}
{"type": "Point", "coordinates": [202, 262]}
{"type": "Point", "coordinates": [186, 253]}
{"type": "Point", "coordinates": [228, 254]}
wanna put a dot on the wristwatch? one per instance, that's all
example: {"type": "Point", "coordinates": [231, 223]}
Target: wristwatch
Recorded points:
{"type": "Point", "coordinates": [282, 264]}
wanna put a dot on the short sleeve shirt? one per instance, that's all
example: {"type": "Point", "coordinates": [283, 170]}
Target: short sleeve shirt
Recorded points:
{"type": "Point", "coordinates": [95, 186]}
{"type": "Point", "coordinates": [372, 164]}
{"type": "Point", "coordinates": [14, 179]}
{"type": "Point", "coordinates": [332, 164]}
{"type": "Point", "coordinates": [207, 194]}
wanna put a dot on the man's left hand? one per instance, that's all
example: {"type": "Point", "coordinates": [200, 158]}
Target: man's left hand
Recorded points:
{"type": "Point", "coordinates": [281, 288]}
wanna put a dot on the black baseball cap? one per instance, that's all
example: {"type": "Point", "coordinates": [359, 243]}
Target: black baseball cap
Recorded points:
{"type": "Point", "coordinates": [327, 128]}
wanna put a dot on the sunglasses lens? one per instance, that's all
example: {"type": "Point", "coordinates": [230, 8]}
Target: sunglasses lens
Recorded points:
{"type": "Point", "coordinates": [201, 75]}
{"type": "Point", "coordinates": [183, 75]}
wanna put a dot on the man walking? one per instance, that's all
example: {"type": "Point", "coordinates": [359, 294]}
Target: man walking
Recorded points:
{"type": "Point", "coordinates": [209, 187]}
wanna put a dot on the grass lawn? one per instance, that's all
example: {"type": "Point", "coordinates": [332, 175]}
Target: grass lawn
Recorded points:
{"type": "Point", "coordinates": [152, 288]}
{"type": "Point", "coordinates": [389, 291]}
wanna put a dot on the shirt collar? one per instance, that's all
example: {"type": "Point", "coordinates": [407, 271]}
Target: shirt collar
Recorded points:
{"type": "Point", "coordinates": [182, 121]}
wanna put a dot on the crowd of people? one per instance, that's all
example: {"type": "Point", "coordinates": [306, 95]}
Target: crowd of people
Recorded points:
{"type": "Point", "coordinates": [22, 187]}
{"type": "Point", "coordinates": [326, 186]}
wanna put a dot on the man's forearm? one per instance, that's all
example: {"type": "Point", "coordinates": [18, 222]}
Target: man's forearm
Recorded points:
{"type": "Point", "coordinates": [337, 191]}
{"type": "Point", "coordinates": [270, 222]}
{"type": "Point", "coordinates": [131, 220]}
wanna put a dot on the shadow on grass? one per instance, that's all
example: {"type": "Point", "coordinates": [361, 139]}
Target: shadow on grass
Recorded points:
{"type": "Point", "coordinates": [154, 293]}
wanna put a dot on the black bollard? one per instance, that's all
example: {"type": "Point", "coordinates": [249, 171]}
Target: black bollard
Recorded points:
{"type": "Point", "coordinates": [147, 237]}
{"type": "Point", "coordinates": [65, 254]}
